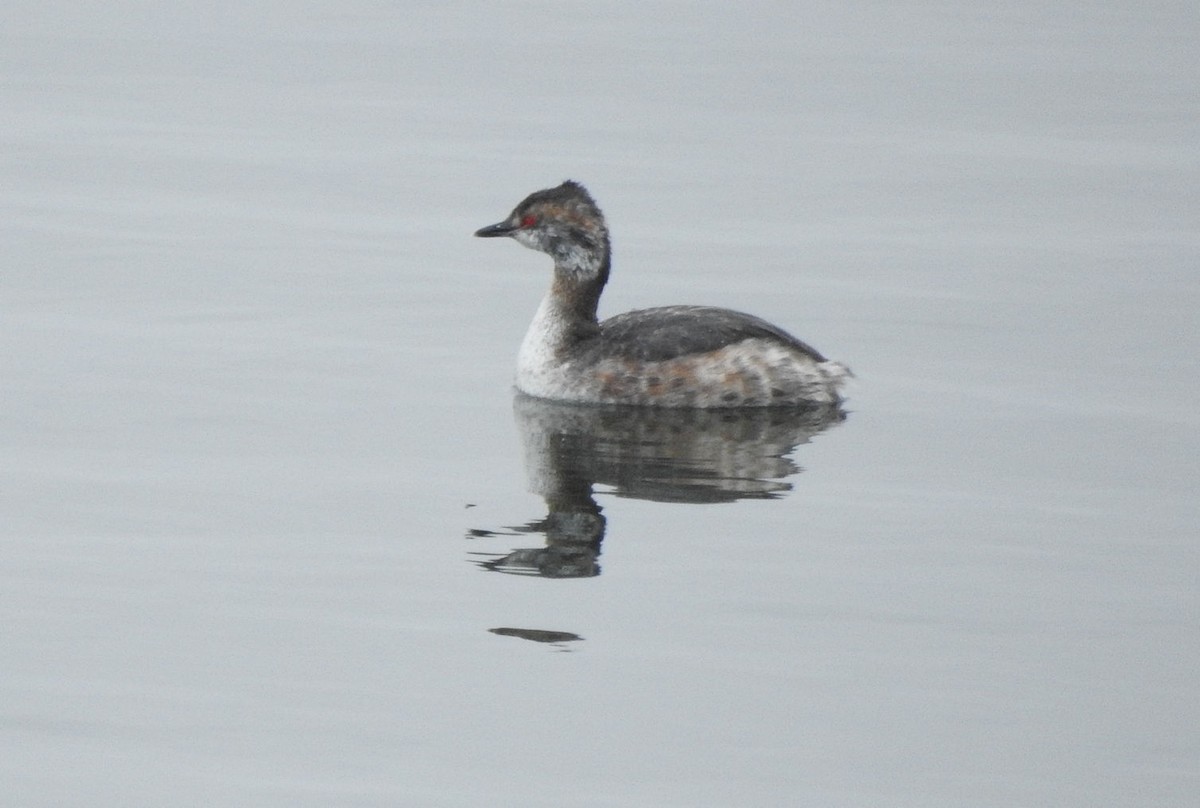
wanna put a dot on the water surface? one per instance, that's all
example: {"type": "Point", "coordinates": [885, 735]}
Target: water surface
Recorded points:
{"type": "Point", "coordinates": [263, 472]}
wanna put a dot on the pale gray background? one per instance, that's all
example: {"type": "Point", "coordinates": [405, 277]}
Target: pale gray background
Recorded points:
{"type": "Point", "coordinates": [255, 369]}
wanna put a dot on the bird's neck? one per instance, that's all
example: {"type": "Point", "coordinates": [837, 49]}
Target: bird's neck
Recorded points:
{"type": "Point", "coordinates": [580, 273]}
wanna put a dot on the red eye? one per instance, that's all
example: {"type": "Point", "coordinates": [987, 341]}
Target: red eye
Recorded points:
{"type": "Point", "coordinates": [528, 220]}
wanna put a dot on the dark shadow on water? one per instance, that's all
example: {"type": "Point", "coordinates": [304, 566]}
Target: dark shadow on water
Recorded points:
{"type": "Point", "coordinates": [660, 455]}
{"type": "Point", "coordinates": [558, 639]}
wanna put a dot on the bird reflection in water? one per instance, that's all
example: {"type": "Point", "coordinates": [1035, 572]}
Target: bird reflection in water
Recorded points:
{"type": "Point", "coordinates": [656, 454]}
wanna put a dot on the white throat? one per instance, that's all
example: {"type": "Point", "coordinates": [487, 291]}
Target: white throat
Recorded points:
{"type": "Point", "coordinates": [538, 361]}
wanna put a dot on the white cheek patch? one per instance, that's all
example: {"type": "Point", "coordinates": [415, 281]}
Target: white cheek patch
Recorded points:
{"type": "Point", "coordinates": [528, 238]}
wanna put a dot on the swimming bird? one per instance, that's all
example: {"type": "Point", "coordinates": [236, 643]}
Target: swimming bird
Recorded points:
{"type": "Point", "coordinates": [670, 356]}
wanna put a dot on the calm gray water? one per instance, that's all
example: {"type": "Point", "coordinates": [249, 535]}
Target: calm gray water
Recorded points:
{"type": "Point", "coordinates": [276, 533]}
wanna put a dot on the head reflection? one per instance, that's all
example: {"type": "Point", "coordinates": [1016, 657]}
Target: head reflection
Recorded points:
{"type": "Point", "coordinates": [656, 454]}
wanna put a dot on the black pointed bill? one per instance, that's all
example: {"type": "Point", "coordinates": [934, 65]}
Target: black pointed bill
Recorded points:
{"type": "Point", "coordinates": [498, 229]}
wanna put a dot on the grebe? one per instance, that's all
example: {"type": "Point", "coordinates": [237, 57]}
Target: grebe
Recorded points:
{"type": "Point", "coordinates": [673, 356]}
